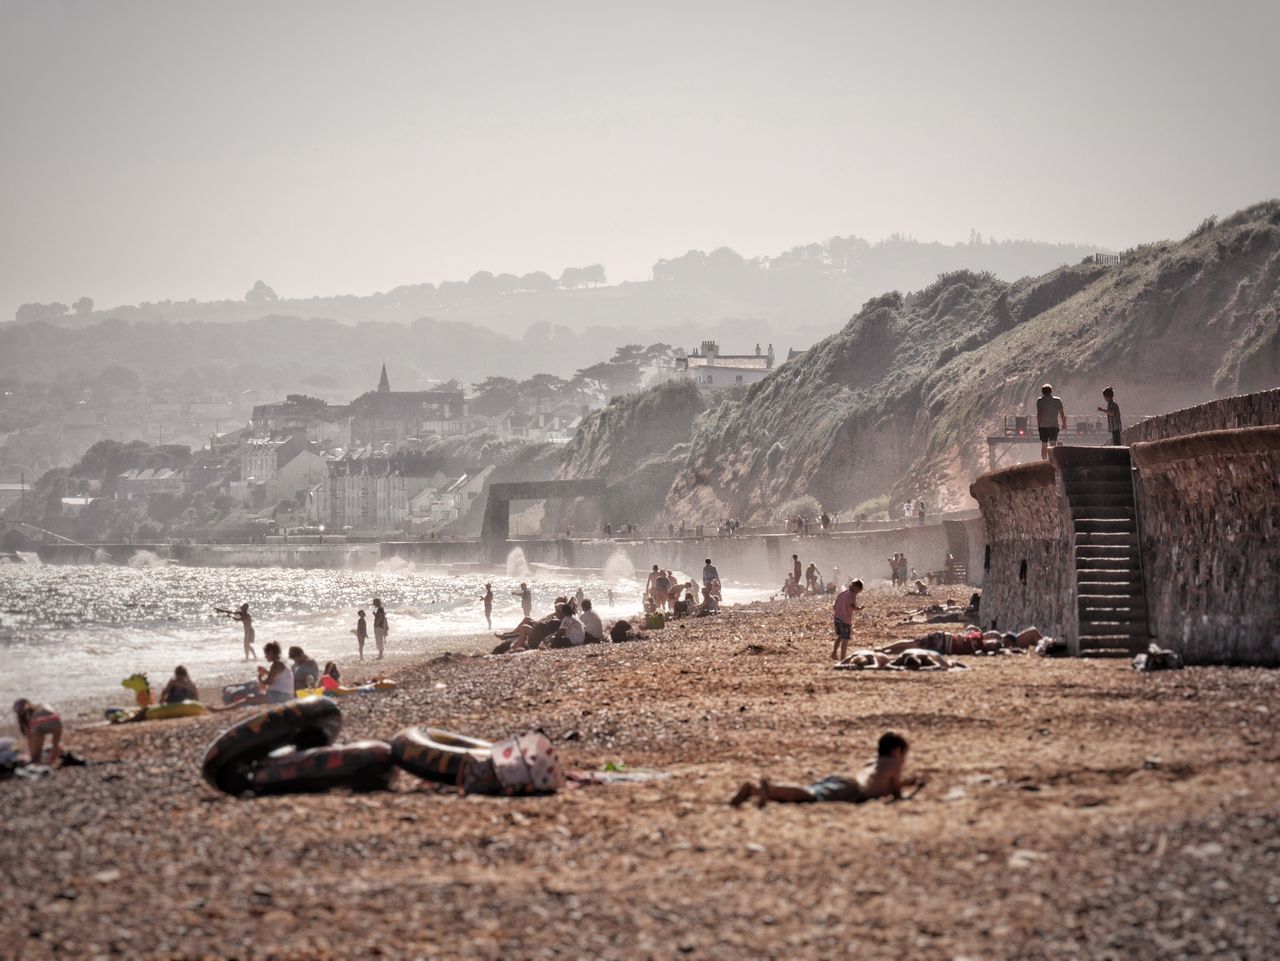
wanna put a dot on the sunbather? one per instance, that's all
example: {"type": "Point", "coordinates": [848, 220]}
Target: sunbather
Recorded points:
{"type": "Point", "coordinates": [879, 778]}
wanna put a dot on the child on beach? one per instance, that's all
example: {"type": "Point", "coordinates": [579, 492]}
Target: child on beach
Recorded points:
{"type": "Point", "coordinates": [846, 604]}
{"type": "Point", "coordinates": [36, 721]}
{"type": "Point", "coordinates": [361, 632]}
{"type": "Point", "coordinates": [879, 778]}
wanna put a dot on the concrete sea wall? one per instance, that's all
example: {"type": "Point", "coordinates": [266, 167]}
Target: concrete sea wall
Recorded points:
{"type": "Point", "coordinates": [1229, 413]}
{"type": "Point", "coordinates": [1209, 516]}
{"type": "Point", "coordinates": [1028, 569]}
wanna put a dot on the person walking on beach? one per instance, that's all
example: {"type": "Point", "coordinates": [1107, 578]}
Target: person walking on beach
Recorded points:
{"type": "Point", "coordinates": [526, 598]}
{"type": "Point", "coordinates": [1112, 410]}
{"type": "Point", "coordinates": [846, 604]}
{"type": "Point", "coordinates": [1050, 416]}
{"type": "Point", "coordinates": [380, 628]}
{"type": "Point", "coordinates": [246, 619]}
{"type": "Point", "coordinates": [709, 574]}
{"type": "Point", "coordinates": [488, 605]}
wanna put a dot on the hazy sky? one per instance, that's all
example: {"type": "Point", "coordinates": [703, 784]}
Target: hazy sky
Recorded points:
{"type": "Point", "coordinates": [174, 150]}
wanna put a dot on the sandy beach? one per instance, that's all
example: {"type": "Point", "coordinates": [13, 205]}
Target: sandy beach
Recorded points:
{"type": "Point", "coordinates": [1074, 809]}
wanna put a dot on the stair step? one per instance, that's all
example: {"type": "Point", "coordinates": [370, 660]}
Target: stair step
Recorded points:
{"type": "Point", "coordinates": [1115, 647]}
{"type": "Point", "coordinates": [1120, 551]}
{"type": "Point", "coordinates": [1114, 568]}
{"type": "Point", "coordinates": [1115, 629]}
{"type": "Point", "coordinates": [1098, 488]}
{"type": "Point", "coordinates": [1111, 602]}
{"type": "Point", "coordinates": [1101, 590]}
{"type": "Point", "coordinates": [1087, 498]}
{"type": "Point", "coordinates": [1104, 578]}
{"type": "Point", "coordinates": [1104, 525]}
{"type": "Point", "coordinates": [1119, 539]}
{"type": "Point", "coordinates": [1097, 472]}
{"type": "Point", "coordinates": [1094, 513]}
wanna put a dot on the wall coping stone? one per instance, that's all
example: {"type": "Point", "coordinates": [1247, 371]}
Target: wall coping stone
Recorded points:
{"type": "Point", "coordinates": [1210, 443]}
{"type": "Point", "coordinates": [1018, 477]}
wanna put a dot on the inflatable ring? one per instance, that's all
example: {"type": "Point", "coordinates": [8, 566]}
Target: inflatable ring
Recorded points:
{"type": "Point", "coordinates": [162, 712]}
{"type": "Point", "coordinates": [361, 766]}
{"type": "Point", "coordinates": [306, 723]}
{"type": "Point", "coordinates": [436, 755]}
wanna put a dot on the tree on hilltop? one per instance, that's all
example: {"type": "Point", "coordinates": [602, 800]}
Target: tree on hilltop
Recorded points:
{"type": "Point", "coordinates": [261, 294]}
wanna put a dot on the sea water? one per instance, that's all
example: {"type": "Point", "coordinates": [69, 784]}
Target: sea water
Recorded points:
{"type": "Point", "coordinates": [73, 632]}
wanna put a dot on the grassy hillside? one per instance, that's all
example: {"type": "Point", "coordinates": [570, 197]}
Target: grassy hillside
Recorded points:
{"type": "Point", "coordinates": [901, 399]}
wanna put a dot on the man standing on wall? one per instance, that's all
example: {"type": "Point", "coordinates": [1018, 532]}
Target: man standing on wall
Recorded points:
{"type": "Point", "coordinates": [1112, 410]}
{"type": "Point", "coordinates": [1050, 415]}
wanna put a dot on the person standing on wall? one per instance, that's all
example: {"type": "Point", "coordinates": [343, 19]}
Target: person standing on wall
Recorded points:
{"type": "Point", "coordinates": [1050, 416]}
{"type": "Point", "coordinates": [1112, 410]}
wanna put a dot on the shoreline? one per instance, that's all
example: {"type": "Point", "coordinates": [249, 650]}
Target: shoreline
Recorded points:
{"type": "Point", "coordinates": [1073, 808]}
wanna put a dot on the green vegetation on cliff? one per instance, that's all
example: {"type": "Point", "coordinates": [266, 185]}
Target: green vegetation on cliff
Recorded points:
{"type": "Point", "coordinates": [902, 398]}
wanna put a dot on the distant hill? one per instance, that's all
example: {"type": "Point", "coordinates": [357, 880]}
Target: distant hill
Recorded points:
{"type": "Point", "coordinates": [902, 397]}
{"type": "Point", "coordinates": [790, 299]}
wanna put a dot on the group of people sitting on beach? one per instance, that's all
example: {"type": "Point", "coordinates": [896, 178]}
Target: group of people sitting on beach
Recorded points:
{"type": "Point", "coordinates": [571, 624]}
{"type": "Point", "coordinates": [664, 592]}
{"type": "Point", "coordinates": [801, 580]}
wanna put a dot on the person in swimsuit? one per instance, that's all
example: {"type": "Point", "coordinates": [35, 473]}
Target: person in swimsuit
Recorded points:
{"type": "Point", "coordinates": [881, 777]}
{"type": "Point", "coordinates": [180, 687]}
{"type": "Point", "coordinates": [488, 605]}
{"type": "Point", "coordinates": [846, 604]}
{"type": "Point", "coordinates": [246, 619]}
{"type": "Point", "coordinates": [526, 598]}
{"type": "Point", "coordinates": [36, 722]}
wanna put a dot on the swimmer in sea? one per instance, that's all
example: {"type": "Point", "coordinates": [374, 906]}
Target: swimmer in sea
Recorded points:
{"type": "Point", "coordinates": [488, 605]}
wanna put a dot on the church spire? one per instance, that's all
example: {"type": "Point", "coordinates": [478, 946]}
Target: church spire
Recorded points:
{"type": "Point", "coordinates": [384, 385]}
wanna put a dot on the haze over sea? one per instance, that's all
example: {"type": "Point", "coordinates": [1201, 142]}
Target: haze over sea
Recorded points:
{"type": "Point", "coordinates": [73, 632]}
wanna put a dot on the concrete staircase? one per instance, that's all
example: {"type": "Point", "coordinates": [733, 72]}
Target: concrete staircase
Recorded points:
{"type": "Point", "coordinates": [1111, 604]}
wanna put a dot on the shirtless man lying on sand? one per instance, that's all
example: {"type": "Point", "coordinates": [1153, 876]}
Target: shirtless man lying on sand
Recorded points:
{"type": "Point", "coordinates": [880, 778]}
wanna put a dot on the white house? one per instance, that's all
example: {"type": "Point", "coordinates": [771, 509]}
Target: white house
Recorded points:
{"type": "Point", "coordinates": [712, 370]}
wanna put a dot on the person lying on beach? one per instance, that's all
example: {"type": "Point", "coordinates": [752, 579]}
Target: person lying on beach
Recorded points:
{"type": "Point", "coordinates": [970, 642]}
{"type": "Point", "coordinates": [180, 687]}
{"type": "Point", "coordinates": [528, 635]}
{"type": "Point", "coordinates": [882, 777]}
{"type": "Point", "coordinates": [912, 659]}
{"type": "Point", "coordinates": [36, 722]}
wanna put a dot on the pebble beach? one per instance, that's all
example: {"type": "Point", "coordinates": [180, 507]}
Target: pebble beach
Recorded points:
{"type": "Point", "coordinates": [1074, 809]}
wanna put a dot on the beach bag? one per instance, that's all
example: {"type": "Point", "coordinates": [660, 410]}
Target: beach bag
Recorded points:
{"type": "Point", "coordinates": [527, 764]}
{"type": "Point", "coordinates": [655, 621]}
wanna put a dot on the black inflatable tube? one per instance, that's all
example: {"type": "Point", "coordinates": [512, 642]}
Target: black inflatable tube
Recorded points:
{"type": "Point", "coordinates": [308, 722]}
{"type": "Point", "coordinates": [360, 766]}
{"type": "Point", "coordinates": [434, 754]}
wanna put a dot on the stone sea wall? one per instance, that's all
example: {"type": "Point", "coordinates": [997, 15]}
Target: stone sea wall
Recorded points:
{"type": "Point", "coordinates": [1027, 566]}
{"type": "Point", "coordinates": [1245, 410]}
{"type": "Point", "coordinates": [1209, 523]}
